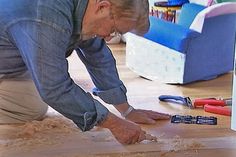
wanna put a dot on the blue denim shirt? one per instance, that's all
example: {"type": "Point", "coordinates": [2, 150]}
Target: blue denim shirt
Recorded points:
{"type": "Point", "coordinates": [38, 35]}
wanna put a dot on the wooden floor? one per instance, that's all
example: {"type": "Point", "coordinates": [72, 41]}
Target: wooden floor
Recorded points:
{"type": "Point", "coordinates": [175, 140]}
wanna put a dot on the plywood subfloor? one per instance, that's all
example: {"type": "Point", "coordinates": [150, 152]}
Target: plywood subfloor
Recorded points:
{"type": "Point", "coordinates": [56, 136]}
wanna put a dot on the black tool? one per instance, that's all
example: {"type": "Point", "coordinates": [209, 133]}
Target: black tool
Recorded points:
{"type": "Point", "coordinates": [188, 119]}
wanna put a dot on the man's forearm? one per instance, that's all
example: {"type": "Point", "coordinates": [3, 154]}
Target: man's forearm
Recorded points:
{"type": "Point", "coordinates": [122, 107]}
{"type": "Point", "coordinates": [110, 121]}
{"type": "Point", "coordinates": [111, 118]}
{"type": "Point", "coordinates": [125, 109]}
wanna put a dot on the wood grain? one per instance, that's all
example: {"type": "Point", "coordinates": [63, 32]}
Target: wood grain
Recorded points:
{"type": "Point", "coordinates": [174, 140]}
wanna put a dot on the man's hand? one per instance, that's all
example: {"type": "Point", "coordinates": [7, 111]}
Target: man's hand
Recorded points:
{"type": "Point", "coordinates": [126, 132]}
{"type": "Point", "coordinates": [142, 116]}
{"type": "Point", "coordinates": [146, 116]}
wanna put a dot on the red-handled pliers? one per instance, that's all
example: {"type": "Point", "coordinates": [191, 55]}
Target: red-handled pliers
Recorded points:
{"type": "Point", "coordinates": [214, 105]}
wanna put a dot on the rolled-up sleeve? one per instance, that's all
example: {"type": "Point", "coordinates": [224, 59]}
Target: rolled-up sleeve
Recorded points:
{"type": "Point", "coordinates": [112, 96]}
{"type": "Point", "coordinates": [101, 66]}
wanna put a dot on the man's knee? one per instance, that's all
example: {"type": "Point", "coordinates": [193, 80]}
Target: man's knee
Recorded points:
{"type": "Point", "coordinates": [22, 114]}
{"type": "Point", "coordinates": [40, 111]}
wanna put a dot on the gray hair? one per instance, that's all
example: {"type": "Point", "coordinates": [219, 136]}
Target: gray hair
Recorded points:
{"type": "Point", "coordinates": [136, 10]}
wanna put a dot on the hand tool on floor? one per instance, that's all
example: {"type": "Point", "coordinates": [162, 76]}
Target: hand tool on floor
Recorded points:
{"type": "Point", "coordinates": [186, 101]}
{"type": "Point", "coordinates": [211, 105]}
{"type": "Point", "coordinates": [188, 119]}
{"type": "Point", "coordinates": [212, 101]}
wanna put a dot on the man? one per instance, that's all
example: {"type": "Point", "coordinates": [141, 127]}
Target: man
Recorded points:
{"type": "Point", "coordinates": [36, 37]}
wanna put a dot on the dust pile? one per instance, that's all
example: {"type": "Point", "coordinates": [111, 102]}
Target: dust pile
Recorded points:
{"type": "Point", "coordinates": [178, 144]}
{"type": "Point", "coordinates": [49, 131]}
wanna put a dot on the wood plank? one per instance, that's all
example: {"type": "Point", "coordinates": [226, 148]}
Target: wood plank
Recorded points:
{"type": "Point", "coordinates": [61, 139]}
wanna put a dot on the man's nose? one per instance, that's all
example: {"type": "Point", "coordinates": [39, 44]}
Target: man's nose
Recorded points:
{"type": "Point", "coordinates": [108, 38]}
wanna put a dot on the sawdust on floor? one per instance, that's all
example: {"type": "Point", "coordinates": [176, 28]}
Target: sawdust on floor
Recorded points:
{"type": "Point", "coordinates": [178, 144]}
{"type": "Point", "coordinates": [52, 131]}
{"type": "Point", "coordinates": [35, 133]}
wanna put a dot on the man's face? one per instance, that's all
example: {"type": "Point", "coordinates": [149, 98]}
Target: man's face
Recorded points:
{"type": "Point", "coordinates": [100, 22]}
{"type": "Point", "coordinates": [107, 28]}
{"type": "Point", "coordinates": [111, 27]}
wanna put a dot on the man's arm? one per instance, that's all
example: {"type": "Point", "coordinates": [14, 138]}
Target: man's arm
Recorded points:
{"type": "Point", "coordinates": [42, 47]}
{"type": "Point", "coordinates": [101, 66]}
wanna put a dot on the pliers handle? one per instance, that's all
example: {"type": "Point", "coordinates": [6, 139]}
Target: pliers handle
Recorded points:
{"type": "Point", "coordinates": [209, 101]}
{"type": "Point", "coordinates": [176, 99]}
{"type": "Point", "coordinates": [213, 105]}
{"type": "Point", "coordinates": [218, 110]}
{"type": "Point", "coordinates": [172, 98]}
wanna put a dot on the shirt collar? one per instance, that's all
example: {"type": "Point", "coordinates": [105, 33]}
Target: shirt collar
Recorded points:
{"type": "Point", "coordinates": [80, 8]}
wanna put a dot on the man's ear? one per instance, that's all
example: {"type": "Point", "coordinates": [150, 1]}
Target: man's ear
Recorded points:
{"type": "Point", "coordinates": [102, 6]}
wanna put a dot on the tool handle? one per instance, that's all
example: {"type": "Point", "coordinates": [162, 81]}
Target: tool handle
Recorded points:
{"type": "Point", "coordinates": [212, 102]}
{"type": "Point", "coordinates": [170, 97]}
{"type": "Point", "coordinates": [218, 110]}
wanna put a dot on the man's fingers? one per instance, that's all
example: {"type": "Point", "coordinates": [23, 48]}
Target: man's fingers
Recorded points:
{"type": "Point", "coordinates": [157, 115]}
{"type": "Point", "coordinates": [142, 136]}
{"type": "Point", "coordinates": [150, 137]}
{"type": "Point", "coordinates": [161, 117]}
{"type": "Point", "coordinates": [138, 137]}
{"type": "Point", "coordinates": [135, 139]}
{"type": "Point", "coordinates": [150, 121]}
